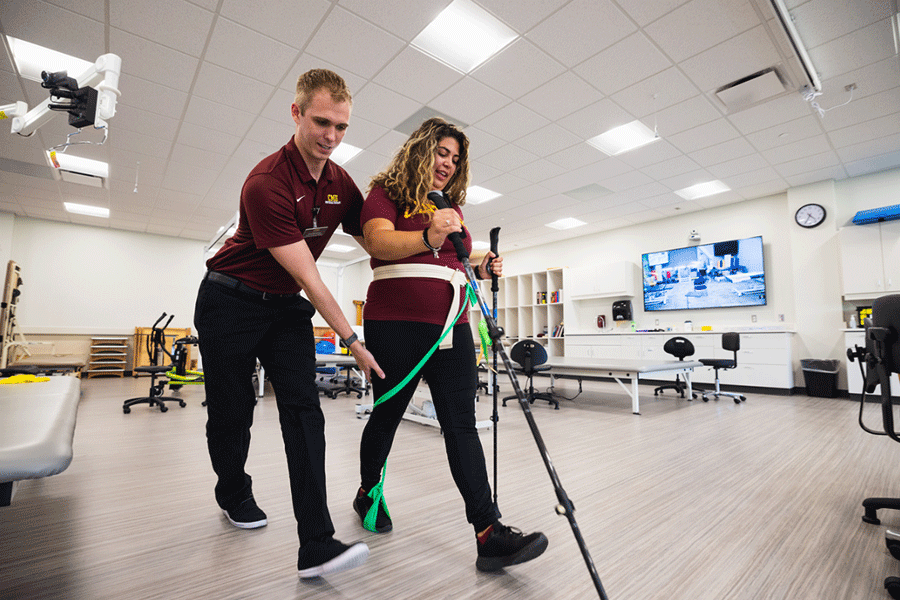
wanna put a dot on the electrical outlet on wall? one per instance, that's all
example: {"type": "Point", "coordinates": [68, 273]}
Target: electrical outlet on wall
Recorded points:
{"type": "Point", "coordinates": [657, 322]}
{"type": "Point", "coordinates": [781, 318]}
{"type": "Point", "coordinates": [753, 318]}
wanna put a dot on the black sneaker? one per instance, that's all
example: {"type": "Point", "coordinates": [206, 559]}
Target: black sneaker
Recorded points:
{"type": "Point", "coordinates": [507, 546]}
{"type": "Point", "coordinates": [362, 504]}
{"type": "Point", "coordinates": [323, 556]}
{"type": "Point", "coordinates": [246, 515]}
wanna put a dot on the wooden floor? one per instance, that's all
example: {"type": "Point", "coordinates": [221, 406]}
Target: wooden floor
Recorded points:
{"type": "Point", "coordinates": [689, 501]}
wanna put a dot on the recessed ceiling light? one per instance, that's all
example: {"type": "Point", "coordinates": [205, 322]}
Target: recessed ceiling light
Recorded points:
{"type": "Point", "coordinates": [567, 223]}
{"type": "Point", "coordinates": [340, 248]}
{"type": "Point", "coordinates": [479, 245]}
{"type": "Point", "coordinates": [84, 209]}
{"type": "Point", "coordinates": [78, 164]}
{"type": "Point", "coordinates": [477, 194]}
{"type": "Point", "coordinates": [344, 152]}
{"type": "Point", "coordinates": [701, 190]}
{"type": "Point", "coordinates": [31, 59]}
{"type": "Point", "coordinates": [623, 138]}
{"type": "Point", "coordinates": [463, 36]}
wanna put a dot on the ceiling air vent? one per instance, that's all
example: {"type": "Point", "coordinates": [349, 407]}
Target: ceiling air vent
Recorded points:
{"type": "Point", "coordinates": [750, 90]}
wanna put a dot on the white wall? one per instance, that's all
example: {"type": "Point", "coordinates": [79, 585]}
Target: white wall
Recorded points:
{"type": "Point", "coordinates": [90, 280]}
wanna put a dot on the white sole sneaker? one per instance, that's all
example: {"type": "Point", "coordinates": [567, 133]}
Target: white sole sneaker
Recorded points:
{"type": "Point", "coordinates": [242, 525]}
{"type": "Point", "coordinates": [353, 556]}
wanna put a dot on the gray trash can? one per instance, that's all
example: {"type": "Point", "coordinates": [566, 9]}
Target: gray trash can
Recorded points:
{"type": "Point", "coordinates": [820, 375]}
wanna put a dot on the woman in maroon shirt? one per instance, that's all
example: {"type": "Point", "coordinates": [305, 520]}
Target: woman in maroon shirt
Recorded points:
{"type": "Point", "coordinates": [414, 296]}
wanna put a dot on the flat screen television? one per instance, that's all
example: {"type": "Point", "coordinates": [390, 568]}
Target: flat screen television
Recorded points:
{"type": "Point", "coordinates": [723, 274]}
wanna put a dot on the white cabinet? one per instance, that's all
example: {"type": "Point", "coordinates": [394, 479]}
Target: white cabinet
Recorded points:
{"type": "Point", "coordinates": [603, 281]}
{"type": "Point", "coordinates": [764, 360]}
{"type": "Point", "coordinates": [870, 259]}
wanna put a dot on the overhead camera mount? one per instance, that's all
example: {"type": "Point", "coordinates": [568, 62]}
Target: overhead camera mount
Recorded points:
{"type": "Point", "coordinates": [91, 98]}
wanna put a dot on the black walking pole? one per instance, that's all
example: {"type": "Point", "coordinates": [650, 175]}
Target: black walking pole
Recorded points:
{"type": "Point", "coordinates": [495, 417]}
{"type": "Point", "coordinates": [564, 507]}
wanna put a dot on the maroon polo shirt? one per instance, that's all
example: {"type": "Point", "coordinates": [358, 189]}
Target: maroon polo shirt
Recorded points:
{"type": "Point", "coordinates": [417, 299]}
{"type": "Point", "coordinates": [277, 203]}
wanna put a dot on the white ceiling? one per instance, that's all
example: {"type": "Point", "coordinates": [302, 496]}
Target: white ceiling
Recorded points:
{"type": "Point", "coordinates": [207, 86]}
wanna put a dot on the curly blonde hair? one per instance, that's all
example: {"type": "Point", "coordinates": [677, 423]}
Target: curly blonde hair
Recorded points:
{"type": "Point", "coordinates": [410, 176]}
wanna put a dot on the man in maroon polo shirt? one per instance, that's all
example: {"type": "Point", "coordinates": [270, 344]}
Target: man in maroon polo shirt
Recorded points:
{"type": "Point", "coordinates": [248, 308]}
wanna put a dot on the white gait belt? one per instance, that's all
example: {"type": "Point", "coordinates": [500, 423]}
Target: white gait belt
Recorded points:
{"type": "Point", "coordinates": [456, 278]}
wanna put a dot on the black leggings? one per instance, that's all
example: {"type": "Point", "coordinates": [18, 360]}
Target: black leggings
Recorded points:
{"type": "Point", "coordinates": [398, 346]}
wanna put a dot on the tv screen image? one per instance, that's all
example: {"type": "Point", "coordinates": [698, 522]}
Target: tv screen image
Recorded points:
{"type": "Point", "coordinates": [718, 275]}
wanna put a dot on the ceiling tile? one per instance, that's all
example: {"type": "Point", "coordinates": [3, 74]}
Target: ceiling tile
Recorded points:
{"type": "Point", "coordinates": [701, 24]}
{"type": "Point", "coordinates": [431, 77]}
{"type": "Point", "coordinates": [512, 122]}
{"type": "Point", "coordinates": [231, 89]}
{"type": "Point", "coordinates": [217, 142]}
{"type": "Point", "coordinates": [847, 53]}
{"type": "Point", "coordinates": [173, 23]}
{"type": "Point", "coordinates": [561, 96]}
{"type": "Point", "coordinates": [771, 113]}
{"type": "Point", "coordinates": [150, 97]}
{"type": "Point", "coordinates": [383, 106]}
{"type": "Point", "coordinates": [623, 64]}
{"type": "Point", "coordinates": [213, 115]}
{"type": "Point", "coordinates": [271, 18]}
{"type": "Point", "coordinates": [808, 147]}
{"type": "Point", "coordinates": [363, 49]}
{"type": "Point", "coordinates": [153, 62]}
{"type": "Point", "coordinates": [656, 93]}
{"type": "Point", "coordinates": [39, 23]}
{"type": "Point", "coordinates": [864, 132]}
{"type": "Point", "coordinates": [511, 72]}
{"type": "Point", "coordinates": [786, 133]}
{"type": "Point", "coordinates": [733, 59]}
{"type": "Point", "coordinates": [469, 101]}
{"type": "Point", "coordinates": [403, 18]}
{"type": "Point", "coordinates": [507, 157]}
{"type": "Point", "coordinates": [547, 140]}
{"type": "Point", "coordinates": [729, 168]}
{"type": "Point", "coordinates": [242, 50]}
{"type": "Point", "coordinates": [595, 119]}
{"type": "Point", "coordinates": [807, 164]}
{"type": "Point", "coordinates": [824, 22]}
{"type": "Point", "coordinates": [684, 115]}
{"type": "Point", "coordinates": [719, 153]}
{"type": "Point", "coordinates": [644, 12]}
{"type": "Point", "coordinates": [521, 15]}
{"type": "Point", "coordinates": [589, 26]}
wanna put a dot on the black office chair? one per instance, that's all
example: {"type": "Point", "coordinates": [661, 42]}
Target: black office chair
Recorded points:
{"type": "Point", "coordinates": [679, 347]}
{"type": "Point", "coordinates": [531, 357]}
{"type": "Point", "coordinates": [156, 343]}
{"type": "Point", "coordinates": [731, 342]}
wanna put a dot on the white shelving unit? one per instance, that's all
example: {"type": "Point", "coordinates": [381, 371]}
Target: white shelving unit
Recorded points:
{"type": "Point", "coordinates": [529, 306]}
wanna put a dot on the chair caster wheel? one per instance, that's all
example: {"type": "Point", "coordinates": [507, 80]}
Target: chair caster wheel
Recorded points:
{"type": "Point", "coordinates": [892, 585]}
{"type": "Point", "coordinates": [737, 400]}
{"type": "Point", "coordinates": [163, 408]}
{"type": "Point", "coordinates": [174, 388]}
{"type": "Point", "coordinates": [182, 404]}
{"type": "Point", "coordinates": [359, 395]}
{"type": "Point", "coordinates": [126, 410]}
{"type": "Point", "coordinates": [705, 399]}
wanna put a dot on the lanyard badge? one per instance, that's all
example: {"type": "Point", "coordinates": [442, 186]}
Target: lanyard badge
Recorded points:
{"type": "Point", "coordinates": [315, 230]}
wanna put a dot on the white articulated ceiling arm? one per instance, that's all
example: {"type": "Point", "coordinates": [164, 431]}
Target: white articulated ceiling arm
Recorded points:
{"type": "Point", "coordinates": [103, 76]}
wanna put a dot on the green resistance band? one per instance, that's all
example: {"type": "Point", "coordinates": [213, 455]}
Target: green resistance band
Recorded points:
{"type": "Point", "coordinates": [377, 492]}
{"type": "Point", "coordinates": [189, 377]}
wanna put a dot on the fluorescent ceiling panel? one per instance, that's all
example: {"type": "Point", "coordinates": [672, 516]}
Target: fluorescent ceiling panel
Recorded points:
{"type": "Point", "coordinates": [344, 153]}
{"type": "Point", "coordinates": [567, 223]}
{"type": "Point", "coordinates": [84, 209]}
{"type": "Point", "coordinates": [623, 138]}
{"type": "Point", "coordinates": [477, 194]}
{"type": "Point", "coordinates": [78, 164]}
{"type": "Point", "coordinates": [31, 59]}
{"type": "Point", "coordinates": [463, 36]}
{"type": "Point", "coordinates": [701, 190]}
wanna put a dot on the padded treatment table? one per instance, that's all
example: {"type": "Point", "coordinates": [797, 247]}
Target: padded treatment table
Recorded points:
{"type": "Point", "coordinates": [37, 425]}
{"type": "Point", "coordinates": [622, 368]}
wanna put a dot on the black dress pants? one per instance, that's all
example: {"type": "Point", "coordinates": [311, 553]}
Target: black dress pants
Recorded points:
{"type": "Point", "coordinates": [235, 329]}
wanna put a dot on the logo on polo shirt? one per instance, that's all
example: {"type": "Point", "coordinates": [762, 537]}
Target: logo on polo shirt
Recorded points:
{"type": "Point", "coordinates": [332, 199]}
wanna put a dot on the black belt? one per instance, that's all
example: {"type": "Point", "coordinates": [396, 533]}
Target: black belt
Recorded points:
{"type": "Point", "coordinates": [240, 286]}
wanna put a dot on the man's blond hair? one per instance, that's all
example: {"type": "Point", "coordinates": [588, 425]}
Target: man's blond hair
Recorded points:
{"type": "Point", "coordinates": [312, 81]}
